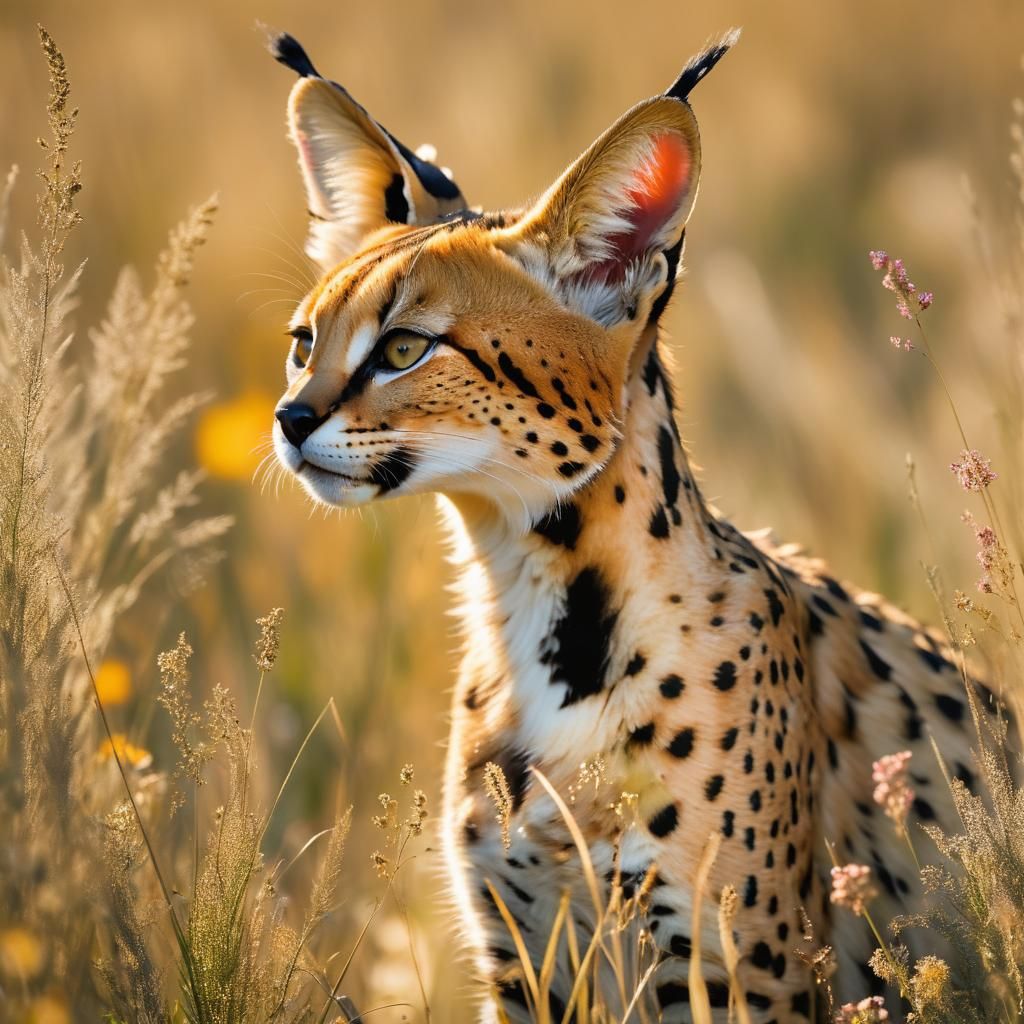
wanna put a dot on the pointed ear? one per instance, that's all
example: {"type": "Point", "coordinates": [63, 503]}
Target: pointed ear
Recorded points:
{"type": "Point", "coordinates": [609, 232]}
{"type": "Point", "coordinates": [603, 225]}
{"type": "Point", "coordinates": [358, 176]}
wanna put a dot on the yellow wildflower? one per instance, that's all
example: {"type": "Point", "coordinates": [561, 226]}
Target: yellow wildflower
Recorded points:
{"type": "Point", "coordinates": [230, 433]}
{"type": "Point", "coordinates": [21, 953]}
{"type": "Point", "coordinates": [137, 757]}
{"type": "Point", "coordinates": [113, 683]}
{"type": "Point", "coordinates": [49, 1010]}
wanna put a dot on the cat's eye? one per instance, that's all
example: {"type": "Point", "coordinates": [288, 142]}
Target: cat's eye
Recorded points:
{"type": "Point", "coordinates": [303, 347]}
{"type": "Point", "coordinates": [403, 350]}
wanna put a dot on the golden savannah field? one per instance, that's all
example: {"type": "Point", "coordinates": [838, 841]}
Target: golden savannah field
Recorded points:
{"type": "Point", "coordinates": [222, 709]}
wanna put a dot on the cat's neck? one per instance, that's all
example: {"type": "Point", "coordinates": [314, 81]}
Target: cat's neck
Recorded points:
{"type": "Point", "coordinates": [567, 601]}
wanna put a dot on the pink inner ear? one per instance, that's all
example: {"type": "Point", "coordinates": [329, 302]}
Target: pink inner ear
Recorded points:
{"type": "Point", "coordinates": [652, 197]}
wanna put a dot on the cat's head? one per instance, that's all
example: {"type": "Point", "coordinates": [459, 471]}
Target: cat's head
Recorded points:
{"type": "Point", "coordinates": [485, 354]}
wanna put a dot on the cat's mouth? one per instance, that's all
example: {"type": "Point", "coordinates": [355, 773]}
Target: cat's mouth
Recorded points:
{"type": "Point", "coordinates": [327, 485]}
{"type": "Point", "coordinates": [332, 488]}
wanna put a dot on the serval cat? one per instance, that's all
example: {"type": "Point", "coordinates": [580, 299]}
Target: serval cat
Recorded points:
{"type": "Point", "coordinates": [511, 362]}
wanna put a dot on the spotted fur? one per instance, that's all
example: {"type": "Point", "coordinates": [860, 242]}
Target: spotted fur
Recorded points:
{"type": "Point", "coordinates": [609, 613]}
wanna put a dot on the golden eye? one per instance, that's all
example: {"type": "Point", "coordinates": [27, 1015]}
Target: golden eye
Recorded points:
{"type": "Point", "coordinates": [404, 350]}
{"type": "Point", "coordinates": [303, 347]}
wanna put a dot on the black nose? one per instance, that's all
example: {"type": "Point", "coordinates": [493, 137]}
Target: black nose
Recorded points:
{"type": "Point", "coordinates": [298, 421]}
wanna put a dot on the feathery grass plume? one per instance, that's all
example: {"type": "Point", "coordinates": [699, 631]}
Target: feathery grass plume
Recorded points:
{"type": "Point", "coordinates": [65, 873]}
{"type": "Point", "coordinates": [133, 981]}
{"type": "Point", "coordinates": [497, 789]}
{"type": "Point", "coordinates": [820, 960]}
{"type": "Point", "coordinates": [728, 904]}
{"type": "Point", "coordinates": [239, 961]}
{"type": "Point", "coordinates": [130, 525]}
{"type": "Point", "coordinates": [269, 641]}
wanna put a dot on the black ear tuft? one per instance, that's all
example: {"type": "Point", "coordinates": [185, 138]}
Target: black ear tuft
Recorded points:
{"type": "Point", "coordinates": [287, 50]}
{"type": "Point", "coordinates": [700, 65]}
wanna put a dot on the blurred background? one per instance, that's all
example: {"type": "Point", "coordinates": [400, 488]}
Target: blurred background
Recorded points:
{"type": "Point", "coordinates": [832, 129]}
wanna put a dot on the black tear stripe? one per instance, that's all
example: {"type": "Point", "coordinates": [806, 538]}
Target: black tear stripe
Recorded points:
{"type": "Point", "coordinates": [581, 639]}
{"type": "Point", "coordinates": [561, 526]}
{"type": "Point", "coordinates": [472, 355]}
{"type": "Point", "coordinates": [514, 374]}
{"type": "Point", "coordinates": [390, 472]}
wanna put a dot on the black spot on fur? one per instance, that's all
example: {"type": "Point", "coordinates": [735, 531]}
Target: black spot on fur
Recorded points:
{"type": "Point", "coordinates": [671, 686]}
{"type": "Point", "coordinates": [750, 892]}
{"type": "Point", "coordinates": [801, 1003]}
{"type": "Point", "coordinates": [933, 660]}
{"type": "Point", "coordinates": [776, 609]}
{"type": "Point", "coordinates": [664, 822]}
{"type": "Point", "coordinates": [583, 637]}
{"type": "Point", "coordinates": [729, 738]}
{"type": "Point", "coordinates": [673, 993]}
{"type": "Point", "coordinates": [871, 621]}
{"type": "Point", "coordinates": [879, 665]}
{"type": "Point", "coordinates": [951, 707]}
{"type": "Point", "coordinates": [658, 526]}
{"type": "Point", "coordinates": [636, 664]}
{"type": "Point", "coordinates": [642, 735]}
{"type": "Point", "coordinates": [561, 526]}
{"type": "Point", "coordinates": [669, 472]}
{"type": "Point", "coordinates": [762, 956]}
{"type": "Point", "coordinates": [725, 676]}
{"type": "Point", "coordinates": [713, 787]}
{"type": "Point", "coordinates": [814, 623]}
{"type": "Point", "coordinates": [682, 743]}
{"type": "Point", "coordinates": [396, 206]}
{"type": "Point", "coordinates": [923, 809]}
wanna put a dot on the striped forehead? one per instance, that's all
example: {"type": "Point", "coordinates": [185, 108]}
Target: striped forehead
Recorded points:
{"type": "Point", "coordinates": [390, 259]}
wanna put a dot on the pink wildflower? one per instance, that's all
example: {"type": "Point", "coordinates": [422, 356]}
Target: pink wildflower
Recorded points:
{"type": "Point", "coordinates": [903, 343]}
{"type": "Point", "coordinates": [973, 470]}
{"type": "Point", "coordinates": [909, 301]}
{"type": "Point", "coordinates": [892, 793]}
{"type": "Point", "coordinates": [992, 556]}
{"type": "Point", "coordinates": [868, 1011]}
{"type": "Point", "coordinates": [852, 887]}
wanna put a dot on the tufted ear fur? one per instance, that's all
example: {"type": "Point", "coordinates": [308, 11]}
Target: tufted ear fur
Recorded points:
{"type": "Point", "coordinates": [608, 234]}
{"type": "Point", "coordinates": [358, 176]}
